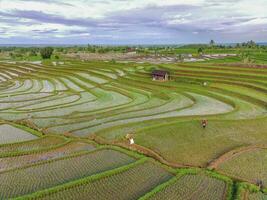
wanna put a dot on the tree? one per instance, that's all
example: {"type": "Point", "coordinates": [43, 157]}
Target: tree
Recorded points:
{"type": "Point", "coordinates": [212, 43]}
{"type": "Point", "coordinates": [46, 52]}
{"type": "Point", "coordinates": [251, 44]}
{"type": "Point", "coordinates": [200, 50]}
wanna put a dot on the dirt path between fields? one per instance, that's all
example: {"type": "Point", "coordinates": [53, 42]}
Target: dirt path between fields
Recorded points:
{"type": "Point", "coordinates": [235, 152]}
{"type": "Point", "coordinates": [150, 153]}
{"type": "Point", "coordinates": [140, 149]}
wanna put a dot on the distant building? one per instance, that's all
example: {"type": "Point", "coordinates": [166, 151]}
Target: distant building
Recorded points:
{"type": "Point", "coordinates": [160, 75]}
{"type": "Point", "coordinates": [131, 50]}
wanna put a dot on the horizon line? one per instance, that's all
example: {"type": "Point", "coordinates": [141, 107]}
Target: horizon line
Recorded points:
{"type": "Point", "coordinates": [109, 44]}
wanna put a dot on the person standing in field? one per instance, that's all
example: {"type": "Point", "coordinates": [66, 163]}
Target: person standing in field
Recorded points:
{"type": "Point", "coordinates": [204, 123]}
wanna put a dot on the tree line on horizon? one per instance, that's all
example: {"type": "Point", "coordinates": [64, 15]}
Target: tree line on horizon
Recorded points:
{"type": "Point", "coordinates": [47, 52]}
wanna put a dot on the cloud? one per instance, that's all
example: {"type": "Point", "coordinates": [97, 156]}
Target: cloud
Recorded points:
{"type": "Point", "coordinates": [132, 21]}
{"type": "Point", "coordinates": [39, 16]}
{"type": "Point", "coordinates": [60, 3]}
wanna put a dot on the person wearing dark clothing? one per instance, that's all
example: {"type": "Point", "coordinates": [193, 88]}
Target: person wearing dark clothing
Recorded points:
{"type": "Point", "coordinates": [204, 123]}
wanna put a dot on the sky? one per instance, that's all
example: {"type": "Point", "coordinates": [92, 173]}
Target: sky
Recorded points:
{"type": "Point", "coordinates": [132, 21]}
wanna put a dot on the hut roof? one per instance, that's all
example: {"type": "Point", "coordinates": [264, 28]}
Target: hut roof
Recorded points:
{"type": "Point", "coordinates": [159, 72]}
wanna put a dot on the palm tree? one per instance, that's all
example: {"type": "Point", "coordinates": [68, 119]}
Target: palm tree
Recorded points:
{"type": "Point", "coordinates": [212, 43]}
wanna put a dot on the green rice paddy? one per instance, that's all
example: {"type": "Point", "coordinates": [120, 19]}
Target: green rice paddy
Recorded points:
{"type": "Point", "coordinates": [50, 115]}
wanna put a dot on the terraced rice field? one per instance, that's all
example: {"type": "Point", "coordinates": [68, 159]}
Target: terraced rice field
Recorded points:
{"type": "Point", "coordinates": [71, 168]}
{"type": "Point", "coordinates": [256, 196]}
{"type": "Point", "coordinates": [49, 174]}
{"type": "Point", "coordinates": [77, 102]}
{"type": "Point", "coordinates": [10, 134]}
{"type": "Point", "coordinates": [250, 166]}
{"type": "Point", "coordinates": [245, 194]}
{"type": "Point", "coordinates": [40, 144]}
{"type": "Point", "coordinates": [121, 184]}
{"type": "Point", "coordinates": [69, 148]}
{"type": "Point", "coordinates": [192, 187]}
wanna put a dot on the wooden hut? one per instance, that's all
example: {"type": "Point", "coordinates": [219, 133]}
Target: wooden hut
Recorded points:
{"type": "Point", "coordinates": [160, 75]}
